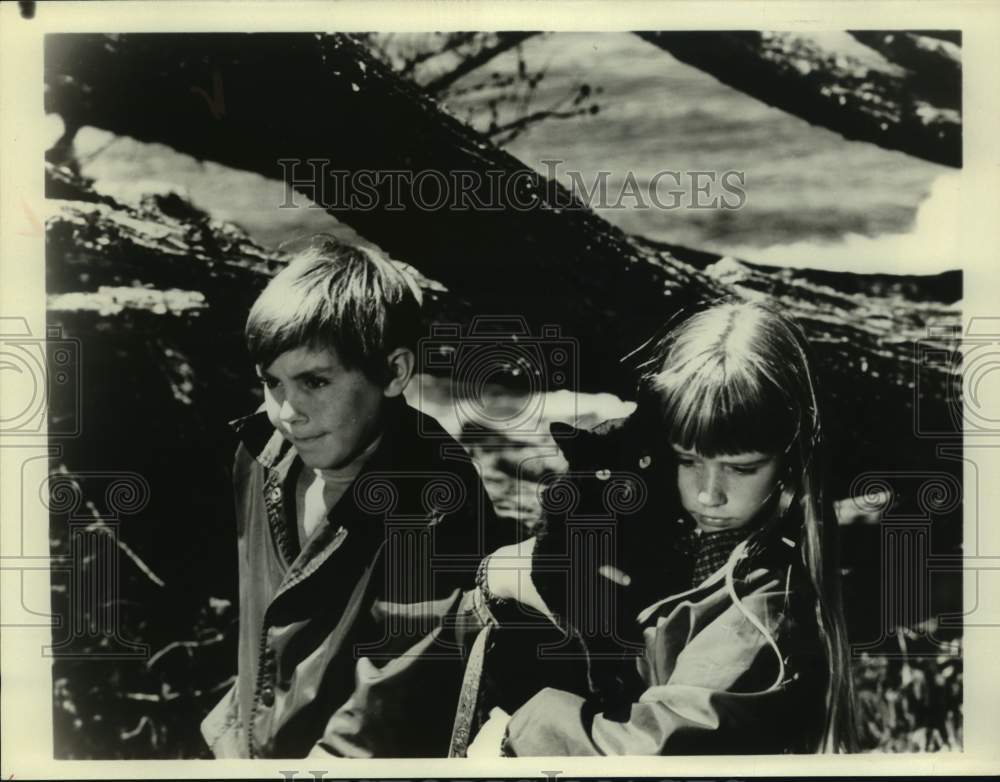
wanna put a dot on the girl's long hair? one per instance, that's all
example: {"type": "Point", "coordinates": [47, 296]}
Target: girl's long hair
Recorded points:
{"type": "Point", "coordinates": [735, 377]}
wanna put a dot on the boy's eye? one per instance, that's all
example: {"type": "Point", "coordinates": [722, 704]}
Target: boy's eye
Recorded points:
{"type": "Point", "coordinates": [315, 381]}
{"type": "Point", "coordinates": [269, 382]}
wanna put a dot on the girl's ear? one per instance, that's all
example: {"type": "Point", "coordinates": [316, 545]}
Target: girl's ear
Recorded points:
{"type": "Point", "coordinates": [787, 489]}
{"type": "Point", "coordinates": [399, 370]}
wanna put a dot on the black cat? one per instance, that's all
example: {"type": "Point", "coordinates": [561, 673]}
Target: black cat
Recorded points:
{"type": "Point", "coordinates": [612, 544]}
{"type": "Point", "coordinates": [606, 547]}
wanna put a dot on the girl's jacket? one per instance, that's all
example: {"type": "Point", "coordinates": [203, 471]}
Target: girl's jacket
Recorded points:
{"type": "Point", "coordinates": [361, 603]}
{"type": "Point", "coordinates": [709, 681]}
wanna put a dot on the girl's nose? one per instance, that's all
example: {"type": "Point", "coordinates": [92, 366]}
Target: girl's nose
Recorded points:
{"type": "Point", "coordinates": [712, 494]}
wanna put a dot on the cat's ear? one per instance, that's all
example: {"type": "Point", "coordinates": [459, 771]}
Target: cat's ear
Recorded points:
{"type": "Point", "coordinates": [567, 437]}
{"type": "Point", "coordinates": [561, 432]}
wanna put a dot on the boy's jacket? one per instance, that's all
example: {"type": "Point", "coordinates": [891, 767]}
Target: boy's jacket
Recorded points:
{"type": "Point", "coordinates": [363, 600]}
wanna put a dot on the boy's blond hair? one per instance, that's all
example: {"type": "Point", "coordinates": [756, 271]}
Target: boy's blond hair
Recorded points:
{"type": "Point", "coordinates": [341, 296]}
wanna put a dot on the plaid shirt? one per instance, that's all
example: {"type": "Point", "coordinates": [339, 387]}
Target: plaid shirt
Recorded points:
{"type": "Point", "coordinates": [707, 551]}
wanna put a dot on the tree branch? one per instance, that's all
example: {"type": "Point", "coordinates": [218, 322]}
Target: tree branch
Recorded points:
{"type": "Point", "coordinates": [861, 102]}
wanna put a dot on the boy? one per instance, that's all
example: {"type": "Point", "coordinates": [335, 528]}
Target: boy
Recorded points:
{"type": "Point", "coordinates": [355, 532]}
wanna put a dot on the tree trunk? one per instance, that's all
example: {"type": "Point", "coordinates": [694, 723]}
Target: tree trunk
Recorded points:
{"type": "Point", "coordinates": [933, 66]}
{"type": "Point", "coordinates": [915, 111]}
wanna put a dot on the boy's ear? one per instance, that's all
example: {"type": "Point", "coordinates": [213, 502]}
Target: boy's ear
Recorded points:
{"type": "Point", "coordinates": [399, 370]}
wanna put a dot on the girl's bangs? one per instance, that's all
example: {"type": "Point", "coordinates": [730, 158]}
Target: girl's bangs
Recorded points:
{"type": "Point", "coordinates": [729, 418]}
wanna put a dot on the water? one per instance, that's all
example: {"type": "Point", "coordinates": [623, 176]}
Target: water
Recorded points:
{"type": "Point", "coordinates": [813, 198]}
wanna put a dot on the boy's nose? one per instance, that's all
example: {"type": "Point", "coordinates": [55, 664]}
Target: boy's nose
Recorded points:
{"type": "Point", "coordinates": [288, 412]}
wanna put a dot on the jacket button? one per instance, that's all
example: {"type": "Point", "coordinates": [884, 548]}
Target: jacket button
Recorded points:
{"type": "Point", "coordinates": [267, 697]}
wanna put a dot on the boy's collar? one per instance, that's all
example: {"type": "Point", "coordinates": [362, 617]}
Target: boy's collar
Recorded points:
{"type": "Point", "coordinates": [260, 439]}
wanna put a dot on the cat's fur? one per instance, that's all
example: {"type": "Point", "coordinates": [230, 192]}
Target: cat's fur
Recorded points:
{"type": "Point", "coordinates": [604, 552]}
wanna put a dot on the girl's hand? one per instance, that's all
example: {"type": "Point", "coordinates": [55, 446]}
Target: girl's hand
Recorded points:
{"type": "Point", "coordinates": [490, 736]}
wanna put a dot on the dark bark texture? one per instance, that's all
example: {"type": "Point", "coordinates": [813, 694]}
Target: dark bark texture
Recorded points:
{"type": "Point", "coordinates": [912, 104]}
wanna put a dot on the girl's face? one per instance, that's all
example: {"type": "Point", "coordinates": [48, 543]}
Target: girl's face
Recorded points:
{"type": "Point", "coordinates": [727, 491]}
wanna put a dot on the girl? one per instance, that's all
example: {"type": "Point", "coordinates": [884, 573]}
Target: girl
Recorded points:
{"type": "Point", "coordinates": [747, 651]}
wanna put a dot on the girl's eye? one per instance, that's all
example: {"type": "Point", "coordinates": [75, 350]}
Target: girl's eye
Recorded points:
{"type": "Point", "coordinates": [744, 470]}
{"type": "Point", "coordinates": [685, 462]}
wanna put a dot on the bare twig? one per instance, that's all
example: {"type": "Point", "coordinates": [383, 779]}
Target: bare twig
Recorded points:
{"type": "Point", "coordinates": [505, 42]}
{"type": "Point", "coordinates": [452, 42]}
{"type": "Point", "coordinates": [521, 123]}
{"type": "Point", "coordinates": [131, 734]}
{"type": "Point", "coordinates": [188, 645]}
{"type": "Point", "coordinates": [100, 525]}
{"type": "Point", "coordinates": [151, 697]}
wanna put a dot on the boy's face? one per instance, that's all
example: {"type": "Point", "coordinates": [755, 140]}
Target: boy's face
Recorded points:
{"type": "Point", "coordinates": [728, 491]}
{"type": "Point", "coordinates": [329, 413]}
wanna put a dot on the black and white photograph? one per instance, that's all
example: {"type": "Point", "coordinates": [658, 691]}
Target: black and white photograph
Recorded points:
{"type": "Point", "coordinates": [485, 393]}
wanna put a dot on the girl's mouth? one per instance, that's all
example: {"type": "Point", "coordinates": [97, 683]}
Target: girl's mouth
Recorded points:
{"type": "Point", "coordinates": [712, 520]}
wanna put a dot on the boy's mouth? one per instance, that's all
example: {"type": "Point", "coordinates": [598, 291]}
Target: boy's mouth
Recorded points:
{"type": "Point", "coordinates": [296, 440]}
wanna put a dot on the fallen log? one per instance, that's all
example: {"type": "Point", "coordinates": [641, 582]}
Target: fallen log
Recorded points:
{"type": "Point", "coordinates": [551, 262]}
{"type": "Point", "coordinates": [913, 111]}
{"type": "Point", "coordinates": [533, 252]}
{"type": "Point", "coordinates": [164, 241]}
{"type": "Point", "coordinates": [933, 65]}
